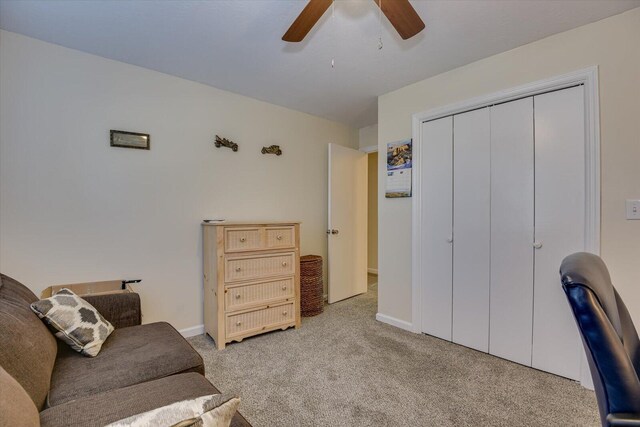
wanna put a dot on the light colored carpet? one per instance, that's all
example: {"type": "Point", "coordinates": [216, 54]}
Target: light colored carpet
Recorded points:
{"type": "Point", "coordinates": [343, 368]}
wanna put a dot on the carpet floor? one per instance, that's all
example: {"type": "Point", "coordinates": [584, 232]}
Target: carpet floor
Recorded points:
{"type": "Point", "coordinates": [344, 368]}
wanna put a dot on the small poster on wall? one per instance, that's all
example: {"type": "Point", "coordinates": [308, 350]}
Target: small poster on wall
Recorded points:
{"type": "Point", "coordinates": [398, 169]}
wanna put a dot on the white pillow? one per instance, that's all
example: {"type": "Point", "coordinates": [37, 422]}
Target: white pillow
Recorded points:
{"type": "Point", "coordinates": [215, 410]}
{"type": "Point", "coordinates": [78, 323]}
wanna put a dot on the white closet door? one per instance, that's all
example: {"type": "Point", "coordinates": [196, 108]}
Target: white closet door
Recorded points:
{"type": "Point", "coordinates": [511, 317]}
{"type": "Point", "coordinates": [437, 192]}
{"type": "Point", "coordinates": [559, 225]}
{"type": "Point", "coordinates": [471, 228]}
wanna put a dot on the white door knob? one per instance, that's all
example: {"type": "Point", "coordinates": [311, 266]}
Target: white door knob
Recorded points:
{"type": "Point", "coordinates": [537, 245]}
{"type": "Point", "coordinates": [450, 239]}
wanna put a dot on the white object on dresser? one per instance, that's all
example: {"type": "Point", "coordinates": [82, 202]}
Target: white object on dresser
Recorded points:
{"type": "Point", "coordinates": [251, 279]}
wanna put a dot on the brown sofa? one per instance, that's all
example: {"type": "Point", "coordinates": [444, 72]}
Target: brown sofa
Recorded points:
{"type": "Point", "coordinates": [140, 367]}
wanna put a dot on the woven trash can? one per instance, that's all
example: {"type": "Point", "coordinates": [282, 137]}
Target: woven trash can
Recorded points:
{"type": "Point", "coordinates": [311, 297]}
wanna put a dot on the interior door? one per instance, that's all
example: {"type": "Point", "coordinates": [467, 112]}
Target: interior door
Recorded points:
{"type": "Point", "coordinates": [512, 175]}
{"type": "Point", "coordinates": [559, 225]}
{"type": "Point", "coordinates": [436, 262]}
{"type": "Point", "coordinates": [347, 231]}
{"type": "Point", "coordinates": [471, 228]}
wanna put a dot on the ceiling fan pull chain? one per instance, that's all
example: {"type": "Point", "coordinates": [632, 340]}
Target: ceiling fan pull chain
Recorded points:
{"type": "Point", "coordinates": [333, 28]}
{"type": "Point", "coordinates": [380, 45]}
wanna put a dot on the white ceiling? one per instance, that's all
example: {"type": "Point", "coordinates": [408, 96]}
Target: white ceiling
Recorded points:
{"type": "Point", "coordinates": [235, 45]}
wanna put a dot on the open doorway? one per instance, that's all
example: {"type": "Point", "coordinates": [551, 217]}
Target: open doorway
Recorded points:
{"type": "Point", "coordinates": [368, 142]}
{"type": "Point", "coordinates": [372, 222]}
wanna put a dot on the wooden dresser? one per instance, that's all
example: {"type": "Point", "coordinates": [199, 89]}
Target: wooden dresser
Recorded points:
{"type": "Point", "coordinates": [251, 279]}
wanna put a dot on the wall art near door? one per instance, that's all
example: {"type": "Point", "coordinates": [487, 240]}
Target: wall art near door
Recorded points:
{"type": "Point", "coordinates": [224, 142]}
{"type": "Point", "coordinates": [398, 183]}
{"type": "Point", "coordinates": [120, 138]}
{"type": "Point", "coordinates": [272, 149]}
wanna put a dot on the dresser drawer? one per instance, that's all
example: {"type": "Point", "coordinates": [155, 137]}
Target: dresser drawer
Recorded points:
{"type": "Point", "coordinates": [242, 239]}
{"type": "Point", "coordinates": [252, 294]}
{"type": "Point", "coordinates": [259, 320]}
{"type": "Point", "coordinates": [258, 266]}
{"type": "Point", "coordinates": [280, 237]}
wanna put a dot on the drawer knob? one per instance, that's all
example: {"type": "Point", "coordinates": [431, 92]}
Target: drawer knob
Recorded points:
{"type": "Point", "coordinates": [284, 313]}
{"type": "Point", "coordinates": [237, 269]}
{"type": "Point", "coordinates": [284, 288]}
{"type": "Point", "coordinates": [284, 263]}
{"type": "Point", "coordinates": [243, 239]}
{"type": "Point", "coordinates": [238, 323]}
{"type": "Point", "coordinates": [237, 296]}
{"type": "Point", "coordinates": [279, 237]}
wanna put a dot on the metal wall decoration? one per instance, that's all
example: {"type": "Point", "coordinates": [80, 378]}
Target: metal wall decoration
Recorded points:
{"type": "Point", "coordinates": [120, 138]}
{"type": "Point", "coordinates": [272, 149]}
{"type": "Point", "coordinates": [224, 142]}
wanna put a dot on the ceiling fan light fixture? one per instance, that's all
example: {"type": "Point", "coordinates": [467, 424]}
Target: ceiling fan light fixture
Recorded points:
{"type": "Point", "coordinates": [400, 13]}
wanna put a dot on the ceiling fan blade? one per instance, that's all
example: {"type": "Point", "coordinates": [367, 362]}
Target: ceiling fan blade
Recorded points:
{"type": "Point", "coordinates": [402, 16]}
{"type": "Point", "coordinates": [311, 13]}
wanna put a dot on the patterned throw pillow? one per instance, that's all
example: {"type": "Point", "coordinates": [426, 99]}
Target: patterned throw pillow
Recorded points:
{"type": "Point", "coordinates": [78, 323]}
{"type": "Point", "coordinates": [215, 410]}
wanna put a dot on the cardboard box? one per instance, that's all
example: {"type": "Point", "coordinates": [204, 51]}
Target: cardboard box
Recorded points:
{"type": "Point", "coordinates": [90, 288]}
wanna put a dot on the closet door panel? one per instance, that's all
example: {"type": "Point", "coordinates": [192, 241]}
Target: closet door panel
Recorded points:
{"type": "Point", "coordinates": [511, 317]}
{"type": "Point", "coordinates": [437, 204]}
{"type": "Point", "coordinates": [471, 228]}
{"type": "Point", "coordinates": [559, 225]}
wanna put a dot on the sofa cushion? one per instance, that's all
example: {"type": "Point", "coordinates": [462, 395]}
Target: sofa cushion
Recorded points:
{"type": "Point", "coordinates": [104, 408]}
{"type": "Point", "coordinates": [129, 356]}
{"type": "Point", "coordinates": [27, 347]}
{"type": "Point", "coordinates": [75, 321]}
{"type": "Point", "coordinates": [16, 406]}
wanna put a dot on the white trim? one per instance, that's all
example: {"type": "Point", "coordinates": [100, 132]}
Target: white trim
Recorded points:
{"type": "Point", "coordinates": [394, 322]}
{"type": "Point", "coordinates": [192, 331]}
{"type": "Point", "coordinates": [372, 271]}
{"type": "Point", "coordinates": [369, 149]}
{"type": "Point", "coordinates": [589, 78]}
{"type": "Point", "coordinates": [329, 225]}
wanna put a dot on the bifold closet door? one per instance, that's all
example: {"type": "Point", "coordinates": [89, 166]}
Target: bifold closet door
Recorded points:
{"type": "Point", "coordinates": [512, 177]}
{"type": "Point", "coordinates": [559, 225]}
{"type": "Point", "coordinates": [437, 192]}
{"type": "Point", "coordinates": [471, 228]}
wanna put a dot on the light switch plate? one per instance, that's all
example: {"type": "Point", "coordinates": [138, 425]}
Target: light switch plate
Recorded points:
{"type": "Point", "coordinates": [633, 209]}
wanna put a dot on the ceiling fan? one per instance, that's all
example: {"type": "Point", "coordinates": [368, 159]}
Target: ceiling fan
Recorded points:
{"type": "Point", "coordinates": [400, 13]}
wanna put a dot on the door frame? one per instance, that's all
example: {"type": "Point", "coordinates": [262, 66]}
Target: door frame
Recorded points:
{"type": "Point", "coordinates": [371, 149]}
{"type": "Point", "coordinates": [587, 77]}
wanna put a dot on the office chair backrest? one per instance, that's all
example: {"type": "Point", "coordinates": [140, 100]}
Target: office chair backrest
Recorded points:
{"type": "Point", "coordinates": [608, 334]}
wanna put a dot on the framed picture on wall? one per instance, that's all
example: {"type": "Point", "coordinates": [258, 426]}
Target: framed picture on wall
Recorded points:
{"type": "Point", "coordinates": [399, 164]}
{"type": "Point", "coordinates": [120, 138]}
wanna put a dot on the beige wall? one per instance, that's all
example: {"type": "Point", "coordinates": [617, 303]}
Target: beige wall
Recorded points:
{"type": "Point", "coordinates": [74, 209]}
{"type": "Point", "coordinates": [368, 136]}
{"type": "Point", "coordinates": [614, 45]}
{"type": "Point", "coordinates": [372, 212]}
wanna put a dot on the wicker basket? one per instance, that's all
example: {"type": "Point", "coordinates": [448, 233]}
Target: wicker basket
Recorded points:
{"type": "Point", "coordinates": [311, 298]}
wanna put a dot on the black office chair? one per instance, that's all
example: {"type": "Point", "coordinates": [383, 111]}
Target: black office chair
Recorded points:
{"type": "Point", "coordinates": [609, 337]}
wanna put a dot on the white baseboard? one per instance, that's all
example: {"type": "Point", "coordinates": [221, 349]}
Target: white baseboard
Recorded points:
{"type": "Point", "coordinates": [394, 322]}
{"type": "Point", "coordinates": [372, 271]}
{"type": "Point", "coordinates": [192, 331]}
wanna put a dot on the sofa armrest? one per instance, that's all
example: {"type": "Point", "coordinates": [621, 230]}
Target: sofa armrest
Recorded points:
{"type": "Point", "coordinates": [122, 309]}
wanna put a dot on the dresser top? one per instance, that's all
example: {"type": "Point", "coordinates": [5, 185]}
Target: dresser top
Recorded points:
{"type": "Point", "coordinates": [239, 223]}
